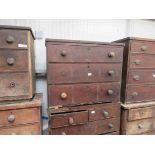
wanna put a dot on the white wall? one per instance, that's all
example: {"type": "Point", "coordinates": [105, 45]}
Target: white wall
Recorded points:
{"type": "Point", "coordinates": [97, 30]}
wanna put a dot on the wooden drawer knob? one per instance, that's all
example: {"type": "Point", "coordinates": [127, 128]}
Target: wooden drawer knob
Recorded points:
{"type": "Point", "coordinates": [136, 77]}
{"type": "Point", "coordinates": [110, 125]}
{"type": "Point", "coordinates": [140, 126]}
{"type": "Point", "coordinates": [137, 62]}
{"type": "Point", "coordinates": [111, 72]}
{"type": "Point", "coordinates": [105, 114]}
{"type": "Point", "coordinates": [110, 92]}
{"type": "Point", "coordinates": [63, 53]}
{"type": "Point", "coordinates": [10, 39]}
{"type": "Point", "coordinates": [10, 61]}
{"type": "Point", "coordinates": [134, 94]}
{"type": "Point", "coordinates": [144, 48]}
{"type": "Point", "coordinates": [63, 95]}
{"type": "Point", "coordinates": [111, 54]}
{"type": "Point", "coordinates": [11, 118]}
{"type": "Point", "coordinates": [12, 85]}
{"type": "Point", "coordinates": [63, 133]}
{"type": "Point", "coordinates": [71, 120]}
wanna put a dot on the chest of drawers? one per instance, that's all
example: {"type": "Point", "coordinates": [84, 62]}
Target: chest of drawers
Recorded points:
{"type": "Point", "coordinates": [16, 63]}
{"type": "Point", "coordinates": [138, 83]}
{"type": "Point", "coordinates": [21, 117]}
{"type": "Point", "coordinates": [84, 78]}
{"type": "Point", "coordinates": [138, 119]}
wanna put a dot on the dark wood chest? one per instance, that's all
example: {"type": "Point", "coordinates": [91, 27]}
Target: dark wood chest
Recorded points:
{"type": "Point", "coordinates": [84, 81]}
{"type": "Point", "coordinates": [16, 63]}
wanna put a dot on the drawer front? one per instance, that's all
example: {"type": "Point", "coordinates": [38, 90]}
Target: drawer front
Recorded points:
{"type": "Point", "coordinates": [141, 113]}
{"type": "Point", "coordinates": [141, 126]}
{"type": "Point", "coordinates": [13, 39]}
{"type": "Point", "coordinates": [83, 53]}
{"type": "Point", "coordinates": [105, 112]}
{"type": "Point", "coordinates": [13, 61]}
{"type": "Point", "coordinates": [29, 129]}
{"type": "Point", "coordinates": [17, 117]}
{"type": "Point", "coordinates": [140, 93]}
{"type": "Point", "coordinates": [83, 93]}
{"type": "Point", "coordinates": [76, 73]}
{"type": "Point", "coordinates": [92, 128]}
{"type": "Point", "coordinates": [68, 119]}
{"type": "Point", "coordinates": [141, 76]}
{"type": "Point", "coordinates": [14, 84]}
{"type": "Point", "coordinates": [142, 61]}
{"type": "Point", "coordinates": [143, 47]}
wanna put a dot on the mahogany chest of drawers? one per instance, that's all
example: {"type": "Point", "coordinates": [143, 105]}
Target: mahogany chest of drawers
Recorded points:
{"type": "Point", "coordinates": [16, 63]}
{"type": "Point", "coordinates": [21, 117]}
{"type": "Point", "coordinates": [138, 84]}
{"type": "Point", "coordinates": [138, 119]}
{"type": "Point", "coordinates": [84, 80]}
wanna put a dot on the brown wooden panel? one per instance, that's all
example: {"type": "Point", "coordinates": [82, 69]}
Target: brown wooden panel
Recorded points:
{"type": "Point", "coordinates": [140, 93]}
{"type": "Point", "coordinates": [141, 126]}
{"type": "Point", "coordinates": [68, 119]}
{"type": "Point", "coordinates": [84, 53]}
{"type": "Point", "coordinates": [142, 61]}
{"type": "Point", "coordinates": [141, 113]}
{"type": "Point", "coordinates": [91, 128]}
{"type": "Point", "coordinates": [13, 61]}
{"type": "Point", "coordinates": [142, 47]}
{"type": "Point", "coordinates": [148, 133]}
{"type": "Point", "coordinates": [83, 93]}
{"type": "Point", "coordinates": [13, 85]}
{"type": "Point", "coordinates": [107, 111]}
{"type": "Point", "coordinates": [76, 73]}
{"type": "Point", "coordinates": [21, 116]}
{"type": "Point", "coordinates": [112, 133]}
{"type": "Point", "coordinates": [13, 39]}
{"type": "Point", "coordinates": [141, 76]}
{"type": "Point", "coordinates": [28, 129]}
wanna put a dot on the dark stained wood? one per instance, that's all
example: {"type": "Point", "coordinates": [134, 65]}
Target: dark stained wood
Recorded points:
{"type": "Point", "coordinates": [91, 128]}
{"type": "Point", "coordinates": [83, 73]}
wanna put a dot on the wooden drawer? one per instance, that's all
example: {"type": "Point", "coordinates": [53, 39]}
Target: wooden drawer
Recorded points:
{"type": "Point", "coordinates": [142, 61]}
{"type": "Point", "coordinates": [141, 126]}
{"type": "Point", "coordinates": [14, 85]}
{"type": "Point", "coordinates": [76, 73]}
{"type": "Point", "coordinates": [140, 93]}
{"type": "Point", "coordinates": [142, 47]}
{"type": "Point", "coordinates": [83, 93]}
{"type": "Point", "coordinates": [141, 76]}
{"type": "Point", "coordinates": [84, 53]}
{"type": "Point", "coordinates": [91, 128]}
{"type": "Point", "coordinates": [13, 61]}
{"type": "Point", "coordinates": [28, 129]}
{"type": "Point", "coordinates": [107, 111]}
{"type": "Point", "coordinates": [20, 116]}
{"type": "Point", "coordinates": [141, 113]}
{"type": "Point", "coordinates": [68, 119]}
{"type": "Point", "coordinates": [13, 39]}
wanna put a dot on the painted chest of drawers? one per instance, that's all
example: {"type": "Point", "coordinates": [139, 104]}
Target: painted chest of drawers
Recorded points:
{"type": "Point", "coordinates": [21, 117]}
{"type": "Point", "coordinates": [84, 80]}
{"type": "Point", "coordinates": [16, 63]}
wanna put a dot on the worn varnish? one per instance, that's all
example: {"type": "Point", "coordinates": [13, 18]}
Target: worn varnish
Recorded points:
{"type": "Point", "coordinates": [17, 63]}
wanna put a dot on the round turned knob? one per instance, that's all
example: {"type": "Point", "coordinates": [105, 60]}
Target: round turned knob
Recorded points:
{"type": "Point", "coordinates": [111, 54]}
{"type": "Point", "coordinates": [144, 48]}
{"type": "Point", "coordinates": [137, 62]}
{"type": "Point", "coordinates": [140, 126]}
{"type": "Point", "coordinates": [10, 39]}
{"type": "Point", "coordinates": [63, 53]}
{"type": "Point", "coordinates": [11, 118]}
{"type": "Point", "coordinates": [10, 61]}
{"type": "Point", "coordinates": [63, 95]}
{"type": "Point", "coordinates": [71, 120]}
{"type": "Point", "coordinates": [12, 85]}
{"type": "Point", "coordinates": [105, 114]}
{"type": "Point", "coordinates": [110, 125]}
{"type": "Point", "coordinates": [134, 94]}
{"type": "Point", "coordinates": [110, 92]}
{"type": "Point", "coordinates": [111, 72]}
{"type": "Point", "coordinates": [63, 133]}
{"type": "Point", "coordinates": [136, 77]}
